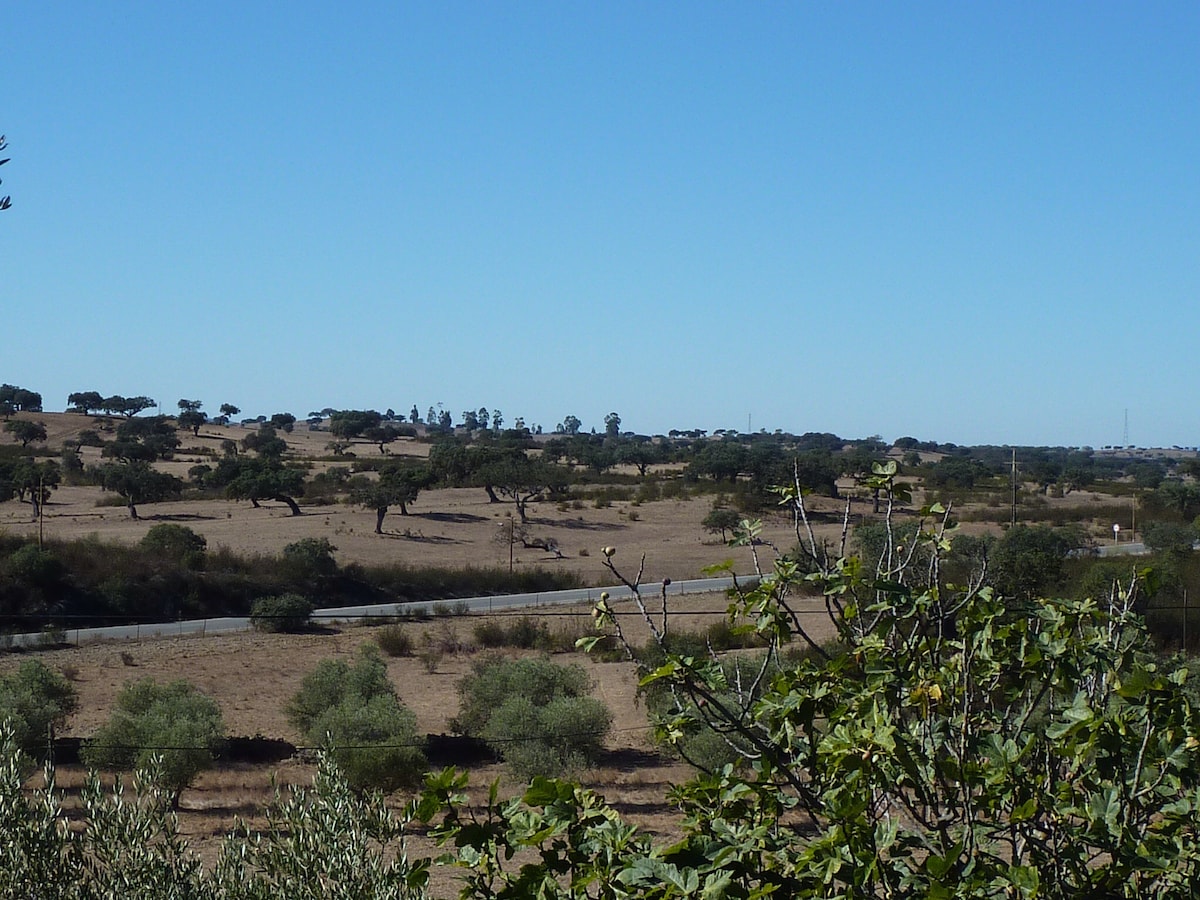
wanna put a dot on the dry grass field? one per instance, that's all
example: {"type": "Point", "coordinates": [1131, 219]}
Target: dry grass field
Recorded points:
{"type": "Point", "coordinates": [451, 527]}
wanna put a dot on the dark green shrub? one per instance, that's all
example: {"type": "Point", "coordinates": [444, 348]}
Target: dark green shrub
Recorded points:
{"type": "Point", "coordinates": [34, 567]}
{"type": "Point", "coordinates": [177, 543]}
{"type": "Point", "coordinates": [173, 721]}
{"type": "Point", "coordinates": [354, 712]}
{"type": "Point", "coordinates": [285, 612]}
{"type": "Point", "coordinates": [310, 558]}
{"type": "Point", "coordinates": [534, 713]}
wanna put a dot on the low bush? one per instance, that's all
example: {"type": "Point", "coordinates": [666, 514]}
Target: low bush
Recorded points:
{"type": "Point", "coordinates": [284, 612]}
{"type": "Point", "coordinates": [394, 640]}
{"type": "Point", "coordinates": [525, 632]}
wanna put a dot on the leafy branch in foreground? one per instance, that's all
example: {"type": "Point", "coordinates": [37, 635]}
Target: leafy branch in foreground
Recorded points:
{"type": "Point", "coordinates": [951, 744]}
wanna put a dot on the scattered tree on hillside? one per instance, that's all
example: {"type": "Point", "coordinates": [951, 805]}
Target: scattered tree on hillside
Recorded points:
{"type": "Point", "coordinates": [397, 485]}
{"type": "Point", "coordinates": [285, 422]}
{"type": "Point", "coordinates": [229, 410]}
{"type": "Point", "coordinates": [137, 482]}
{"type": "Point", "coordinates": [26, 478]}
{"type": "Point", "coordinates": [85, 401]}
{"type": "Point", "coordinates": [522, 480]}
{"type": "Point", "coordinates": [721, 520]}
{"type": "Point", "coordinates": [259, 478]}
{"type": "Point", "coordinates": [612, 424]}
{"type": "Point", "coordinates": [348, 424]}
{"type": "Point", "coordinates": [382, 435]}
{"type": "Point", "coordinates": [18, 399]}
{"type": "Point", "coordinates": [126, 406]}
{"type": "Point", "coordinates": [265, 442]}
{"type": "Point", "coordinates": [641, 453]}
{"type": "Point", "coordinates": [26, 432]}
{"type": "Point", "coordinates": [190, 416]}
{"type": "Point", "coordinates": [146, 439]}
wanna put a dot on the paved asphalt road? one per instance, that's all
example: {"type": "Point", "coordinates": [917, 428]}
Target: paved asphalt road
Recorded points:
{"type": "Point", "coordinates": [473, 604]}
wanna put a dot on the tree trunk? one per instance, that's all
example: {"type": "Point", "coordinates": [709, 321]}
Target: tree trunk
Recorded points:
{"type": "Point", "coordinates": [492, 498]}
{"type": "Point", "coordinates": [132, 510]}
{"type": "Point", "coordinates": [403, 508]}
{"type": "Point", "coordinates": [379, 514]}
{"type": "Point", "coordinates": [521, 511]}
{"type": "Point", "coordinates": [284, 498]}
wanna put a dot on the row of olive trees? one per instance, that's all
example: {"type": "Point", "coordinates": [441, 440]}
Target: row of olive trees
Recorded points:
{"type": "Point", "coordinates": [535, 714]}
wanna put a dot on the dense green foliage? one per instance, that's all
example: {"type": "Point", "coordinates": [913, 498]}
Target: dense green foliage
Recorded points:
{"type": "Point", "coordinates": [33, 701]}
{"type": "Point", "coordinates": [354, 712]}
{"type": "Point", "coordinates": [535, 714]}
{"type": "Point", "coordinates": [173, 722]}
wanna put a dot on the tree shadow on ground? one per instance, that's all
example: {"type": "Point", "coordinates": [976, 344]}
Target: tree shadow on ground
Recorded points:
{"type": "Point", "coordinates": [419, 538]}
{"type": "Point", "coordinates": [578, 524]}
{"type": "Point", "coordinates": [460, 518]}
{"type": "Point", "coordinates": [630, 759]}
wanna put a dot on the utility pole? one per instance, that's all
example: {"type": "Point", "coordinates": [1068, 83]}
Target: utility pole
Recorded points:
{"type": "Point", "coordinates": [41, 508]}
{"type": "Point", "coordinates": [1013, 480]}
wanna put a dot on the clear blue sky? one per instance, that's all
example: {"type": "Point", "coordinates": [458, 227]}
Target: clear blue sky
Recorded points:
{"type": "Point", "coordinates": [969, 222]}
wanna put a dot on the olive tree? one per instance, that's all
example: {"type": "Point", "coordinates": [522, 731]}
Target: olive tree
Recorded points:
{"type": "Point", "coordinates": [34, 700]}
{"type": "Point", "coordinates": [355, 714]}
{"type": "Point", "coordinates": [534, 713]}
{"type": "Point", "coordinates": [174, 723]}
